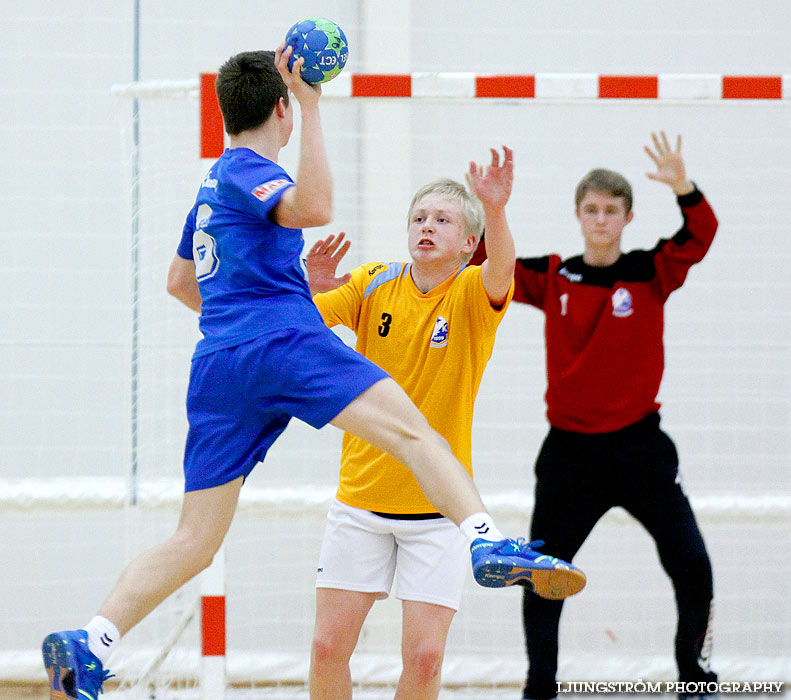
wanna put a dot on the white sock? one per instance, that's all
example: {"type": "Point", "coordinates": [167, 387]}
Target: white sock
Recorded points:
{"type": "Point", "coordinates": [103, 635]}
{"type": "Point", "coordinates": [481, 525]}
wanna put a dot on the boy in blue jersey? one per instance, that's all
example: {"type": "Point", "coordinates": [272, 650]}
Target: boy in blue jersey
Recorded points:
{"type": "Point", "coordinates": [266, 356]}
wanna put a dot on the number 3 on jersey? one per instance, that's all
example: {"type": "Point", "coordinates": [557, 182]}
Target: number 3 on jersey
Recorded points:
{"type": "Point", "coordinates": [384, 329]}
{"type": "Point", "coordinates": [204, 247]}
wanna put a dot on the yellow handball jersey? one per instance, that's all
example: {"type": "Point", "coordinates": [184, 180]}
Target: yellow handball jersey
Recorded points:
{"type": "Point", "coordinates": [435, 345]}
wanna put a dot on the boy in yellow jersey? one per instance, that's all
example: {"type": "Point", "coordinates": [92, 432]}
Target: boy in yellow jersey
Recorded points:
{"type": "Point", "coordinates": [431, 325]}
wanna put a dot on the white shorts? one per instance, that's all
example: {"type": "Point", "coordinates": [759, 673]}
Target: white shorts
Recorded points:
{"type": "Point", "coordinates": [363, 552]}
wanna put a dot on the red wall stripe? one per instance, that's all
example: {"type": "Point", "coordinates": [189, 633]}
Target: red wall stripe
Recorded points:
{"type": "Point", "coordinates": [629, 86]}
{"type": "Point", "coordinates": [505, 86]}
{"type": "Point", "coordinates": [212, 133]}
{"type": "Point", "coordinates": [213, 625]}
{"type": "Point", "coordinates": [381, 85]}
{"type": "Point", "coordinates": [755, 87]}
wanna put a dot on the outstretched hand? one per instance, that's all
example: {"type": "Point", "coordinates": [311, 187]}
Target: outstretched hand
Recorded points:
{"type": "Point", "coordinates": [492, 184]}
{"type": "Point", "coordinates": [669, 164]}
{"type": "Point", "coordinates": [322, 262]}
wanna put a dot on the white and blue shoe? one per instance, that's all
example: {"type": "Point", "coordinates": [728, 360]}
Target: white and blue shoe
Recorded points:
{"type": "Point", "coordinates": [73, 669]}
{"type": "Point", "coordinates": [504, 563]}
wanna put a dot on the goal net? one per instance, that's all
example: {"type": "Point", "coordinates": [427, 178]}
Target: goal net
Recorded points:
{"type": "Point", "coordinates": [725, 393]}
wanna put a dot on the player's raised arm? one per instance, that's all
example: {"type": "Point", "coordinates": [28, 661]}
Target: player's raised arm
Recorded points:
{"type": "Point", "coordinates": [322, 263]}
{"type": "Point", "coordinates": [492, 185]}
{"type": "Point", "coordinates": [309, 202]}
{"type": "Point", "coordinates": [669, 164]}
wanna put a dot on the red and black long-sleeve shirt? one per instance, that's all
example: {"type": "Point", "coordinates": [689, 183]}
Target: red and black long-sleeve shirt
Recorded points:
{"type": "Point", "coordinates": [604, 325]}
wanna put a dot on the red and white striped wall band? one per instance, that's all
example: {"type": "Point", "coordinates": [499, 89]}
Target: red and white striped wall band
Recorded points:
{"type": "Point", "coordinates": [540, 86]}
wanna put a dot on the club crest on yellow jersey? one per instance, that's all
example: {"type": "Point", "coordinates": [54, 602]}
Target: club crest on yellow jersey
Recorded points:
{"type": "Point", "coordinates": [439, 337]}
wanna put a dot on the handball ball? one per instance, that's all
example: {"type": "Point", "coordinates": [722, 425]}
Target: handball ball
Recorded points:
{"type": "Point", "coordinates": [322, 44]}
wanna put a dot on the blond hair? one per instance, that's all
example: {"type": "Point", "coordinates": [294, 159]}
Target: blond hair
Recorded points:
{"type": "Point", "coordinates": [471, 207]}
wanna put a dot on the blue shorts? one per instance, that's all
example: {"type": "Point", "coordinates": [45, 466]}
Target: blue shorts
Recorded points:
{"type": "Point", "coordinates": [241, 399]}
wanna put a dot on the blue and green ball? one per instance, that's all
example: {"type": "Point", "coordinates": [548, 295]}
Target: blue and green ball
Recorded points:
{"type": "Point", "coordinates": [322, 44]}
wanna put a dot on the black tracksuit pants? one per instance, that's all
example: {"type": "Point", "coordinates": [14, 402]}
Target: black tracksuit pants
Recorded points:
{"type": "Point", "coordinates": [579, 477]}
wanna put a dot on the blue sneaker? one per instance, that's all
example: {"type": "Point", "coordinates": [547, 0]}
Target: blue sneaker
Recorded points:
{"type": "Point", "coordinates": [73, 669]}
{"type": "Point", "coordinates": [504, 563]}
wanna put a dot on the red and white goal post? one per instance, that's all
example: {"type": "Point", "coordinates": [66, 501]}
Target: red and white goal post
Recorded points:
{"type": "Point", "coordinates": [725, 394]}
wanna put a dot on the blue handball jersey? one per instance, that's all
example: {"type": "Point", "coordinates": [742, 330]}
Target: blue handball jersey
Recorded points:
{"type": "Point", "coordinates": [248, 268]}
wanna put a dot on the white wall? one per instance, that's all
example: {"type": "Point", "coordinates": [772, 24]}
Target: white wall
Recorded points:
{"type": "Point", "coordinates": [64, 295]}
